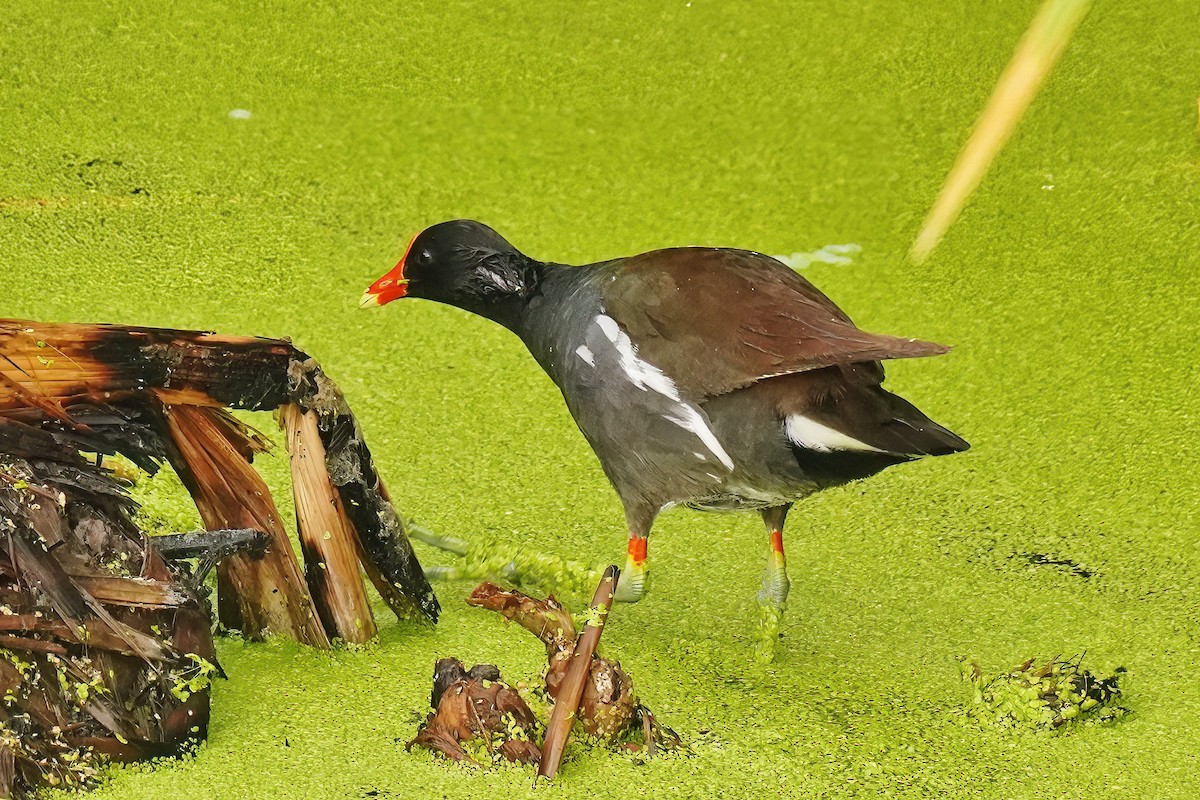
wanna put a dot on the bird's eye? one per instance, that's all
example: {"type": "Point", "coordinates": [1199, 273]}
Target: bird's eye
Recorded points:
{"type": "Point", "coordinates": [425, 257]}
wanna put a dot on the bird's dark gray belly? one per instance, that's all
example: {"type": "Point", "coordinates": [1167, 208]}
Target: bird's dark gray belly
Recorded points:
{"type": "Point", "coordinates": [650, 458]}
{"type": "Point", "coordinates": [766, 471]}
{"type": "Point", "coordinates": [727, 455]}
{"type": "Point", "coordinates": [655, 446]}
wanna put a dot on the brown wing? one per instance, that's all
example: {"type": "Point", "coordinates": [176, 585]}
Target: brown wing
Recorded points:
{"type": "Point", "coordinates": [716, 320]}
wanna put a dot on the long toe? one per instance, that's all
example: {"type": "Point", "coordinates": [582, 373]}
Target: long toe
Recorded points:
{"type": "Point", "coordinates": [631, 585]}
{"type": "Point", "coordinates": [774, 591]}
{"type": "Point", "coordinates": [772, 598]}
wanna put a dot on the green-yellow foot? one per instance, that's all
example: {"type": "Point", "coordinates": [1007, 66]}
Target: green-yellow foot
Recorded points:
{"type": "Point", "coordinates": [632, 583]}
{"type": "Point", "coordinates": [772, 599]}
{"type": "Point", "coordinates": [770, 620]}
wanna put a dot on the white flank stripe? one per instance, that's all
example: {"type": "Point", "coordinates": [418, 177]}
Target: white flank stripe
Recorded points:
{"type": "Point", "coordinates": [610, 327]}
{"type": "Point", "coordinates": [691, 420]}
{"type": "Point", "coordinates": [646, 376]}
{"type": "Point", "coordinates": [586, 354]}
{"type": "Point", "coordinates": [809, 433]}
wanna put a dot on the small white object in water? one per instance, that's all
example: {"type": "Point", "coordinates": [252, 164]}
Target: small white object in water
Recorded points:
{"type": "Point", "coordinates": [239, 113]}
{"type": "Point", "coordinates": [838, 254]}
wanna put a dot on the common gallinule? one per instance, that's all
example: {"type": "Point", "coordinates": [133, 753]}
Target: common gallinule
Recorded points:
{"type": "Point", "coordinates": [714, 378]}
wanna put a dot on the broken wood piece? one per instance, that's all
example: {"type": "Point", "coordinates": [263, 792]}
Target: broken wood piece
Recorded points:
{"type": "Point", "coordinates": [566, 704]}
{"type": "Point", "coordinates": [383, 544]}
{"type": "Point", "coordinates": [199, 544]}
{"type": "Point", "coordinates": [39, 569]}
{"type": "Point", "coordinates": [131, 591]}
{"type": "Point", "coordinates": [209, 547]}
{"type": "Point", "coordinates": [94, 633]}
{"type": "Point", "coordinates": [229, 493]}
{"type": "Point", "coordinates": [545, 619]}
{"type": "Point", "coordinates": [8, 769]}
{"type": "Point", "coordinates": [65, 373]}
{"type": "Point", "coordinates": [106, 636]}
{"type": "Point", "coordinates": [82, 673]}
{"type": "Point", "coordinates": [35, 645]}
{"type": "Point", "coordinates": [327, 538]}
{"type": "Point", "coordinates": [384, 549]}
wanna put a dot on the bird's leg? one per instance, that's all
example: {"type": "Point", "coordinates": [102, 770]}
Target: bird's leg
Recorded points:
{"type": "Point", "coordinates": [772, 597]}
{"type": "Point", "coordinates": [632, 583]}
{"type": "Point", "coordinates": [775, 583]}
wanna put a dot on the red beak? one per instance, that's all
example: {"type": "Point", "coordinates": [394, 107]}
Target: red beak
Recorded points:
{"type": "Point", "coordinates": [391, 286]}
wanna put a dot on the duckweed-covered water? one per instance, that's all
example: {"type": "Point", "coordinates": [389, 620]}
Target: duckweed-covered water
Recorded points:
{"type": "Point", "coordinates": [582, 131]}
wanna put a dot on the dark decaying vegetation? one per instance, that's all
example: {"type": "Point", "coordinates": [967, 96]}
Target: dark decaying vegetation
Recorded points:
{"type": "Point", "coordinates": [105, 635]}
{"type": "Point", "coordinates": [588, 691]}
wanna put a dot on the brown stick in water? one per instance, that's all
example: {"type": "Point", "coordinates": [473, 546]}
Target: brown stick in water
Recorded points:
{"type": "Point", "coordinates": [566, 706]}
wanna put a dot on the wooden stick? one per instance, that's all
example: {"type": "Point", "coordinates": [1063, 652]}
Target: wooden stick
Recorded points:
{"type": "Point", "coordinates": [326, 539]}
{"type": "Point", "coordinates": [123, 591]}
{"type": "Point", "coordinates": [34, 645]}
{"type": "Point", "coordinates": [1035, 56]}
{"type": "Point", "coordinates": [566, 705]}
{"type": "Point", "coordinates": [271, 594]}
{"type": "Point", "coordinates": [199, 544]}
{"type": "Point", "coordinates": [8, 770]}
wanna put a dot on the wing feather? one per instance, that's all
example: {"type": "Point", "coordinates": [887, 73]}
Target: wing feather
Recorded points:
{"type": "Point", "coordinates": [715, 320]}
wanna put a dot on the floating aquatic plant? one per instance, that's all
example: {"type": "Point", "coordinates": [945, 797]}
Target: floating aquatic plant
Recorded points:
{"type": "Point", "coordinates": [1043, 695]}
{"type": "Point", "coordinates": [489, 558]}
{"type": "Point", "coordinates": [841, 255]}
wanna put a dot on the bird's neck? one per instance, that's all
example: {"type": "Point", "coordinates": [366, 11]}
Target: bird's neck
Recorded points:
{"type": "Point", "coordinates": [508, 311]}
{"type": "Point", "coordinates": [511, 308]}
{"type": "Point", "coordinates": [550, 314]}
{"type": "Point", "coordinates": [555, 316]}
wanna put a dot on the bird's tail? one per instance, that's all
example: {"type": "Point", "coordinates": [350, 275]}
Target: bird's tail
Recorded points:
{"type": "Point", "coordinates": [909, 432]}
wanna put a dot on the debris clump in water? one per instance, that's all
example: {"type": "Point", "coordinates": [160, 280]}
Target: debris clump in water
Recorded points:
{"type": "Point", "coordinates": [1043, 695]}
{"type": "Point", "coordinates": [477, 706]}
{"type": "Point", "coordinates": [478, 717]}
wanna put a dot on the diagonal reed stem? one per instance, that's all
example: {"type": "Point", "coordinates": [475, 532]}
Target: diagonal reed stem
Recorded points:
{"type": "Point", "coordinates": [566, 705]}
{"type": "Point", "coordinates": [1035, 56]}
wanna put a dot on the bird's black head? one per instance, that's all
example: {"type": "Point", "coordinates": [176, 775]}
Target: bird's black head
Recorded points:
{"type": "Point", "coordinates": [461, 263]}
